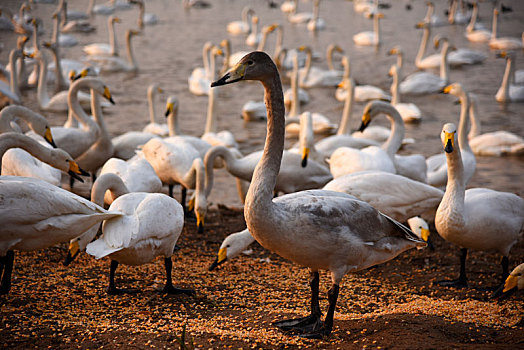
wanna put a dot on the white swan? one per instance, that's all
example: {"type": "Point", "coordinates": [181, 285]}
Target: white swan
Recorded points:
{"type": "Point", "coordinates": [426, 83]}
{"type": "Point", "coordinates": [179, 163]}
{"type": "Point", "coordinates": [302, 226]}
{"type": "Point", "coordinates": [328, 145]}
{"type": "Point", "coordinates": [394, 195]}
{"type": "Point", "coordinates": [253, 39]}
{"type": "Point", "coordinates": [409, 112]}
{"type": "Point", "coordinates": [455, 17]}
{"type": "Point", "coordinates": [310, 76]}
{"type": "Point", "coordinates": [12, 90]}
{"type": "Point", "coordinates": [74, 21]}
{"type": "Point", "coordinates": [105, 49]}
{"type": "Point", "coordinates": [126, 144]}
{"type": "Point", "coordinates": [149, 227]}
{"type": "Point", "coordinates": [473, 34]}
{"type": "Point", "coordinates": [254, 111]}
{"type": "Point", "coordinates": [36, 122]}
{"type": "Point", "coordinates": [362, 93]}
{"type": "Point", "coordinates": [144, 18]}
{"type": "Point", "coordinates": [291, 178]}
{"type": "Point", "coordinates": [115, 63]}
{"type": "Point", "coordinates": [153, 127]}
{"type": "Point", "coordinates": [505, 43]}
{"type": "Point", "coordinates": [296, 17]}
{"type": "Point", "coordinates": [496, 143]}
{"type": "Point", "coordinates": [514, 282]}
{"type": "Point", "coordinates": [231, 58]}
{"type": "Point", "coordinates": [508, 91]}
{"type": "Point", "coordinates": [437, 165]}
{"type": "Point", "coordinates": [200, 79]}
{"type": "Point", "coordinates": [431, 61]}
{"type": "Point", "coordinates": [232, 246]}
{"type": "Point", "coordinates": [243, 26]}
{"type": "Point", "coordinates": [289, 6]}
{"type": "Point", "coordinates": [63, 40]}
{"type": "Point", "coordinates": [368, 38]}
{"type": "Point", "coordinates": [431, 18]}
{"type": "Point", "coordinates": [75, 140]}
{"type": "Point", "coordinates": [477, 218]}
{"type": "Point", "coordinates": [136, 173]}
{"type": "Point", "coordinates": [316, 22]}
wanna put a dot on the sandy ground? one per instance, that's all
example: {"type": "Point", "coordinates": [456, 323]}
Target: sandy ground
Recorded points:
{"type": "Point", "coordinates": [394, 305]}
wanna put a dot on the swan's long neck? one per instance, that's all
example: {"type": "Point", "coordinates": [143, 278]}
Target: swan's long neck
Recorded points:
{"type": "Point", "coordinates": [211, 114]}
{"type": "Point", "coordinates": [56, 30]}
{"type": "Point", "coordinates": [205, 57]}
{"type": "Point", "coordinates": [494, 25]}
{"type": "Point", "coordinates": [74, 105]}
{"type": "Point", "coordinates": [232, 164]}
{"type": "Point", "coordinates": [262, 42]}
{"type": "Point", "coordinates": [151, 93]}
{"type": "Point", "coordinates": [59, 77]}
{"type": "Point", "coordinates": [507, 77]}
{"type": "Point", "coordinates": [394, 86]}
{"type": "Point", "coordinates": [112, 37]}
{"type": "Point", "coordinates": [307, 66]}
{"type": "Point", "coordinates": [295, 104]}
{"type": "Point", "coordinates": [42, 94]}
{"type": "Point", "coordinates": [107, 182]}
{"type": "Point", "coordinates": [90, 7]}
{"type": "Point", "coordinates": [429, 13]}
{"type": "Point", "coordinates": [260, 193]}
{"type": "Point", "coordinates": [129, 51]}
{"type": "Point", "coordinates": [279, 41]}
{"type": "Point", "coordinates": [98, 116]}
{"type": "Point", "coordinates": [14, 55]}
{"type": "Point", "coordinates": [10, 114]}
{"type": "Point", "coordinates": [15, 140]}
{"type": "Point", "coordinates": [394, 141]}
{"type": "Point", "coordinates": [463, 123]}
{"type": "Point", "coordinates": [343, 129]}
{"type": "Point", "coordinates": [329, 55]}
{"type": "Point", "coordinates": [376, 29]}
{"type": "Point", "coordinates": [452, 12]}
{"type": "Point", "coordinates": [449, 214]}
{"type": "Point", "coordinates": [475, 129]}
{"type": "Point", "coordinates": [473, 20]}
{"type": "Point", "coordinates": [444, 63]}
{"type": "Point", "coordinates": [172, 122]}
{"type": "Point", "coordinates": [423, 45]}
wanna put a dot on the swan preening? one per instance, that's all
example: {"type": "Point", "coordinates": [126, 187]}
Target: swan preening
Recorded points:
{"type": "Point", "coordinates": [301, 226]}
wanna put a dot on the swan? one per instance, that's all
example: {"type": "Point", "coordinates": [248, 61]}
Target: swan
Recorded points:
{"type": "Point", "coordinates": [101, 9]}
{"type": "Point", "coordinates": [431, 18]}
{"type": "Point", "coordinates": [36, 122]}
{"type": "Point", "coordinates": [477, 218]}
{"type": "Point", "coordinates": [136, 173]}
{"type": "Point", "coordinates": [63, 40]}
{"type": "Point", "coordinates": [362, 93]}
{"type": "Point", "coordinates": [316, 23]}
{"type": "Point", "coordinates": [514, 282]}
{"type": "Point", "coordinates": [505, 43]}
{"type": "Point", "coordinates": [115, 63]}
{"type": "Point", "coordinates": [368, 38]}
{"type": "Point", "coordinates": [300, 17]}
{"type": "Point", "coordinates": [12, 91]}
{"type": "Point", "coordinates": [394, 195]}
{"type": "Point", "coordinates": [144, 18]}
{"type": "Point", "coordinates": [149, 227]}
{"type": "Point", "coordinates": [75, 140]}
{"type": "Point", "coordinates": [243, 26]}
{"type": "Point", "coordinates": [314, 77]}
{"type": "Point", "coordinates": [306, 142]}
{"type": "Point", "coordinates": [289, 6]}
{"type": "Point", "coordinates": [426, 83]}
{"type": "Point", "coordinates": [74, 21]}
{"type": "Point", "coordinates": [126, 144]}
{"type": "Point", "coordinates": [431, 61]}
{"type": "Point", "coordinates": [231, 58]}
{"type": "Point", "coordinates": [497, 143]}
{"type": "Point", "coordinates": [104, 49]}
{"type": "Point", "coordinates": [179, 163]}
{"type": "Point", "coordinates": [200, 79]}
{"type": "Point", "coordinates": [153, 127]}
{"type": "Point", "coordinates": [302, 226]}
{"type": "Point", "coordinates": [509, 92]}
{"type": "Point", "coordinates": [409, 112]}
{"type": "Point", "coordinates": [437, 165]}
{"type": "Point", "coordinates": [455, 17]}
{"type": "Point", "coordinates": [291, 178]}
{"type": "Point", "coordinates": [329, 144]}
{"type": "Point", "coordinates": [102, 149]}
{"type": "Point", "coordinates": [253, 39]}
{"type": "Point", "coordinates": [254, 111]}
{"type": "Point", "coordinates": [473, 34]}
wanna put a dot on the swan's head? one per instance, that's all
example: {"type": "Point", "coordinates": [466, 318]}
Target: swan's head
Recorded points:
{"type": "Point", "coordinates": [306, 136]}
{"type": "Point", "coordinates": [393, 70]}
{"type": "Point", "coordinates": [256, 65]}
{"type": "Point", "coordinates": [421, 25]}
{"type": "Point", "coordinates": [397, 50]}
{"type": "Point", "coordinates": [79, 244]}
{"type": "Point", "coordinates": [448, 136]}
{"type": "Point", "coordinates": [420, 227]}
{"type": "Point", "coordinates": [515, 279]}
{"type": "Point", "coordinates": [454, 89]}
{"type": "Point", "coordinates": [172, 105]}
{"type": "Point", "coordinates": [232, 246]}
{"type": "Point", "coordinates": [371, 110]}
{"type": "Point", "coordinates": [195, 204]}
{"type": "Point", "coordinates": [270, 28]}
{"type": "Point", "coordinates": [438, 39]}
{"type": "Point", "coordinates": [114, 19]}
{"type": "Point", "coordinates": [97, 85]}
{"type": "Point", "coordinates": [506, 54]}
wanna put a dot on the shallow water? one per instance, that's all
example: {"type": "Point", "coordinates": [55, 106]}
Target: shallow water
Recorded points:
{"type": "Point", "coordinates": [168, 52]}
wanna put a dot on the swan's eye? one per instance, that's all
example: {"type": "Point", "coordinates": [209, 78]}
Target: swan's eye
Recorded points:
{"type": "Point", "coordinates": [229, 245]}
{"type": "Point", "coordinates": [250, 62]}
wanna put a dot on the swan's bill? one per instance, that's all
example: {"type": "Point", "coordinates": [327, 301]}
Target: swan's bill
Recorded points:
{"type": "Point", "coordinates": [72, 253]}
{"type": "Point", "coordinates": [48, 136]}
{"type": "Point", "coordinates": [235, 74]}
{"type": "Point", "coordinates": [220, 259]}
{"type": "Point", "coordinates": [200, 222]}
{"type": "Point", "coordinates": [107, 95]}
{"type": "Point", "coordinates": [450, 141]}
{"type": "Point", "coordinates": [511, 282]}
{"type": "Point", "coordinates": [75, 170]}
{"type": "Point", "coordinates": [305, 155]}
{"type": "Point", "coordinates": [366, 119]}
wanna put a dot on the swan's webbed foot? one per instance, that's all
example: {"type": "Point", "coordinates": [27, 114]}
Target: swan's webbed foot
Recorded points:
{"type": "Point", "coordinates": [457, 283]}
{"type": "Point", "coordinates": [169, 289]}
{"type": "Point", "coordinates": [319, 333]}
{"type": "Point", "coordinates": [300, 325]}
{"type": "Point", "coordinates": [112, 290]}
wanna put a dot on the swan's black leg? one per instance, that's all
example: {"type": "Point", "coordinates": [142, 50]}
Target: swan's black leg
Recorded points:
{"type": "Point", "coordinates": [169, 283]}
{"type": "Point", "coordinates": [497, 290]}
{"type": "Point", "coordinates": [112, 289]}
{"type": "Point", "coordinates": [93, 177]}
{"type": "Point", "coordinates": [184, 197]}
{"type": "Point", "coordinates": [326, 328]}
{"type": "Point", "coordinates": [6, 269]}
{"type": "Point", "coordinates": [308, 323]}
{"type": "Point", "coordinates": [462, 281]}
{"type": "Point", "coordinates": [170, 188]}
{"type": "Point", "coordinates": [71, 182]}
